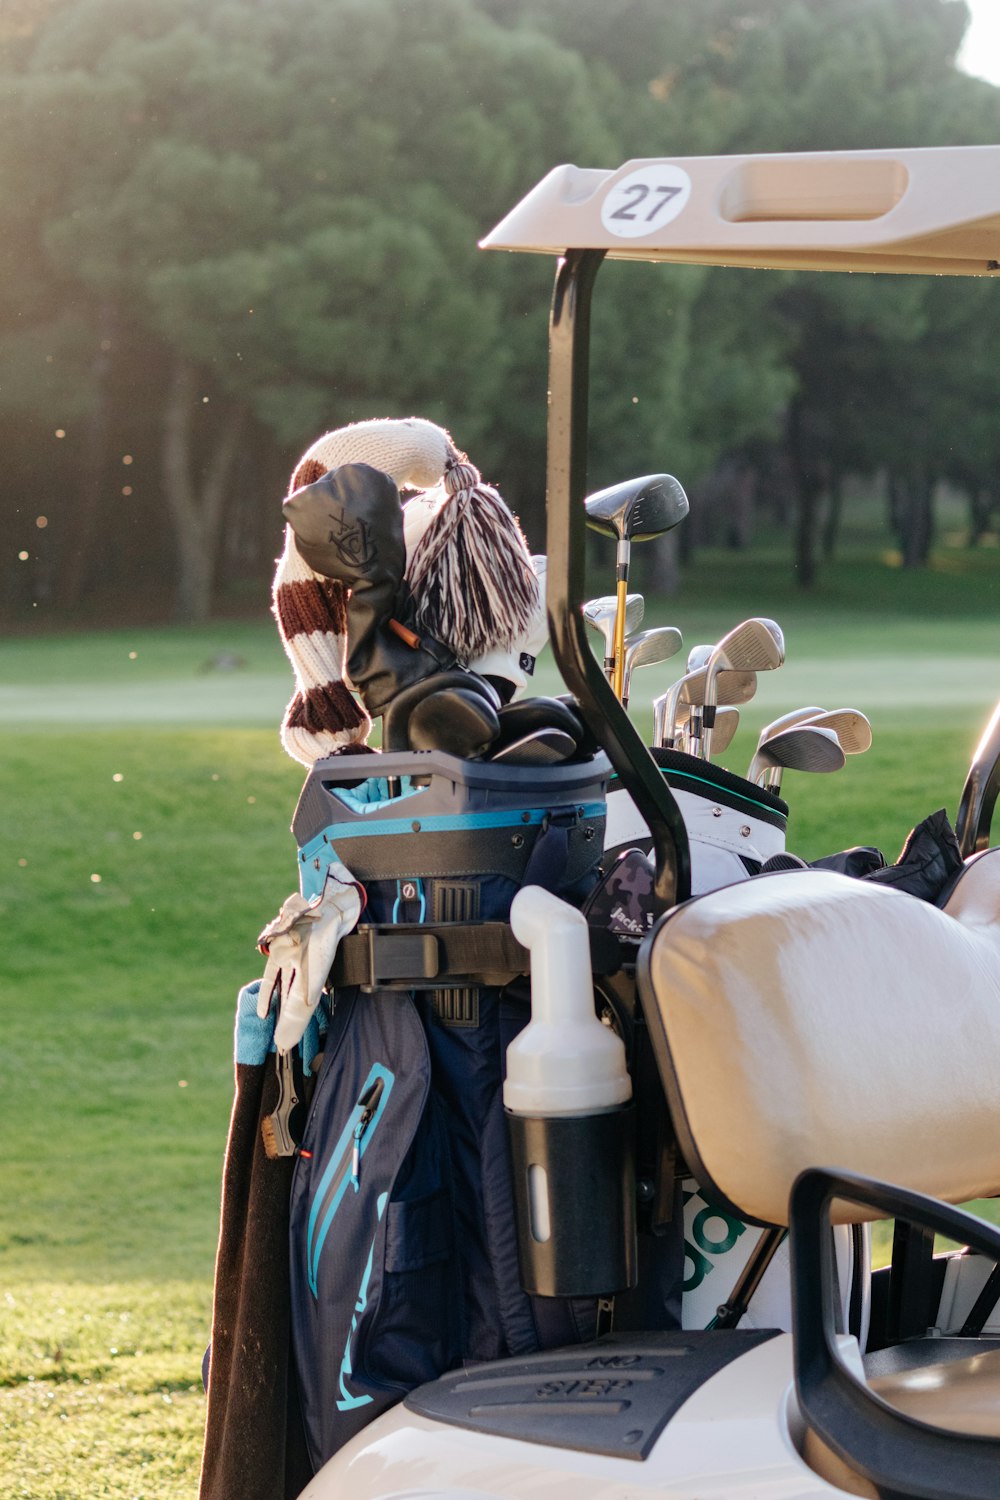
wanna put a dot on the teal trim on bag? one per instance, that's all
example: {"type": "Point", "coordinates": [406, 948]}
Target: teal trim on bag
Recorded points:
{"type": "Point", "coordinates": [315, 857]}
{"type": "Point", "coordinates": [337, 1173]}
{"type": "Point", "coordinates": [369, 797]}
{"type": "Point", "coordinates": [348, 1401]}
{"type": "Point", "coordinates": [713, 786]}
{"type": "Point", "coordinates": [444, 823]}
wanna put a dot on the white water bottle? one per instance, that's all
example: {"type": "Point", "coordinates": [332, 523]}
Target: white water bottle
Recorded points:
{"type": "Point", "coordinates": [568, 1100]}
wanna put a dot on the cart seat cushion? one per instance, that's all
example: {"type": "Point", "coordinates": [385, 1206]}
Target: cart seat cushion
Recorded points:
{"type": "Point", "coordinates": [807, 1019]}
{"type": "Point", "coordinates": [960, 1394]}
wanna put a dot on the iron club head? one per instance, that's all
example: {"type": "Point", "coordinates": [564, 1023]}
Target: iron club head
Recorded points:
{"type": "Point", "coordinates": [646, 649]}
{"type": "Point", "coordinates": [726, 724]}
{"type": "Point", "coordinates": [803, 747]}
{"type": "Point", "coordinates": [600, 615]}
{"type": "Point", "coordinates": [756, 645]}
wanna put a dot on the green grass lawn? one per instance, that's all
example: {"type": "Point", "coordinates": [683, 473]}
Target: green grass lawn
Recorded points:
{"type": "Point", "coordinates": [145, 842]}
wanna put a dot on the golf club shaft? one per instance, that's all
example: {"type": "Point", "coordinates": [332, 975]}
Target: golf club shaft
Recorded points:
{"type": "Point", "coordinates": [619, 640]}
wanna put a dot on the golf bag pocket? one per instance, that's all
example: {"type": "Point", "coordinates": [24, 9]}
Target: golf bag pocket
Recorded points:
{"type": "Point", "coordinates": [416, 1332]}
{"type": "Point", "coordinates": [732, 825]}
{"type": "Point", "coordinates": [375, 1307]}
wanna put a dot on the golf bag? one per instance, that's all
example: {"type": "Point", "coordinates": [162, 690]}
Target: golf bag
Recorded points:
{"type": "Point", "coordinates": [403, 1245]}
{"type": "Point", "coordinates": [733, 826]}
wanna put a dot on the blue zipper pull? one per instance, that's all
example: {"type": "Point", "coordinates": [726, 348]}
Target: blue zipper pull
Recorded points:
{"type": "Point", "coordinates": [359, 1131]}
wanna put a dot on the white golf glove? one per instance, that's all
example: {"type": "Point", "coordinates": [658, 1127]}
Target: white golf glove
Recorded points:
{"type": "Point", "coordinates": [300, 944]}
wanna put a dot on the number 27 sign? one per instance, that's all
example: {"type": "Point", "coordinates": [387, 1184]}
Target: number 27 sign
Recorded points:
{"type": "Point", "coordinates": [645, 200]}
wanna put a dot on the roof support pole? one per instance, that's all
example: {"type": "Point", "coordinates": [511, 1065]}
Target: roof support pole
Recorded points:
{"type": "Point", "coordinates": [566, 479]}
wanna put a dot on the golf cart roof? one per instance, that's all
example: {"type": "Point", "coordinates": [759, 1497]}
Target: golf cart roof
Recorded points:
{"type": "Point", "coordinates": [931, 210]}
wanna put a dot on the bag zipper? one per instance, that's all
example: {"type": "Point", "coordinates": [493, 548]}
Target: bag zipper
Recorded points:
{"type": "Point", "coordinates": [368, 1104]}
{"type": "Point", "coordinates": [344, 1164]}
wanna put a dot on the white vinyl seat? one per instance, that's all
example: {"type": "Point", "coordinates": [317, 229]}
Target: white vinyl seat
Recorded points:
{"type": "Point", "coordinates": [808, 1020]}
{"type": "Point", "coordinates": [805, 1019]}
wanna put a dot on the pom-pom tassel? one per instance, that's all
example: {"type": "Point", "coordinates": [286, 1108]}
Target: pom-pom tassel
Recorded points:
{"type": "Point", "coordinates": [471, 574]}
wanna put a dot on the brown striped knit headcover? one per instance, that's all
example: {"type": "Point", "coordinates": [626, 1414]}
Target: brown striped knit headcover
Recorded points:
{"type": "Point", "coordinates": [468, 566]}
{"type": "Point", "coordinates": [323, 715]}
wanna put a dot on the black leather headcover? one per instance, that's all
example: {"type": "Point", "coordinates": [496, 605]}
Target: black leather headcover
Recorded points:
{"type": "Point", "coordinates": [349, 526]}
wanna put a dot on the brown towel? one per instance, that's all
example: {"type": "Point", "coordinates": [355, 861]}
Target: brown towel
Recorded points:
{"type": "Point", "coordinates": [254, 1444]}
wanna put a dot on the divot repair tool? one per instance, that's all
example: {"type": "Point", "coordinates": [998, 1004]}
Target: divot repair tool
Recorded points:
{"type": "Point", "coordinates": [276, 1128]}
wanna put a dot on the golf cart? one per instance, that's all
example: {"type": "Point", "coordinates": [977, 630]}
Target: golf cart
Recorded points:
{"type": "Point", "coordinates": [812, 1075]}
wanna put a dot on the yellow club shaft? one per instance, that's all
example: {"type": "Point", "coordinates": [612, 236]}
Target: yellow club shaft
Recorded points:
{"type": "Point", "coordinates": [618, 670]}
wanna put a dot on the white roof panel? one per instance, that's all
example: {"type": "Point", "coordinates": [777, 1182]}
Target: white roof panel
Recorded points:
{"type": "Point", "coordinates": [933, 210]}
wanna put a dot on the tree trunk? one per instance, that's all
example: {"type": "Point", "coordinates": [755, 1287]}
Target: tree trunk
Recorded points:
{"type": "Point", "coordinates": [916, 518]}
{"type": "Point", "coordinates": [808, 486]}
{"type": "Point", "coordinates": [834, 514]}
{"type": "Point", "coordinates": [981, 503]}
{"type": "Point", "coordinates": [93, 464]}
{"type": "Point", "coordinates": [197, 510]}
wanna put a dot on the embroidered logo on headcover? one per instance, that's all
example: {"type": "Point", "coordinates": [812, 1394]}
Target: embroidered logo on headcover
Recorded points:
{"type": "Point", "coordinates": [352, 539]}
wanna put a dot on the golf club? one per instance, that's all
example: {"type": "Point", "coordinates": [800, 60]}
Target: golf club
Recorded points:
{"type": "Point", "coordinates": [633, 512]}
{"type": "Point", "coordinates": [803, 747]}
{"type": "Point", "coordinates": [600, 615]}
{"type": "Point", "coordinates": [645, 649]}
{"type": "Point", "coordinates": [726, 724]}
{"type": "Point", "coordinates": [850, 725]}
{"type": "Point", "coordinates": [733, 687]}
{"type": "Point", "coordinates": [697, 657]}
{"type": "Point", "coordinates": [757, 645]}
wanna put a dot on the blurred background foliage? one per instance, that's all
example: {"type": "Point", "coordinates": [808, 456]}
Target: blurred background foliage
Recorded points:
{"type": "Point", "coordinates": [228, 228]}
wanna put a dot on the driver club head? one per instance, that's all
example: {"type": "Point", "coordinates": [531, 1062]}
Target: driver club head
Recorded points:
{"type": "Point", "coordinates": [633, 512]}
{"type": "Point", "coordinates": [638, 508]}
{"type": "Point", "coordinates": [803, 747]}
{"type": "Point", "coordinates": [646, 649]}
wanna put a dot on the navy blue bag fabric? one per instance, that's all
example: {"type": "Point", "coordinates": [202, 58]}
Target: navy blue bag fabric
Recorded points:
{"type": "Point", "coordinates": [371, 1217]}
{"type": "Point", "coordinates": [411, 1269]}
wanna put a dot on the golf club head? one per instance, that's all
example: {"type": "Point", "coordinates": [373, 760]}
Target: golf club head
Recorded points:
{"type": "Point", "coordinates": [600, 615]}
{"type": "Point", "coordinates": [785, 721]}
{"type": "Point", "coordinates": [804, 747]}
{"type": "Point", "coordinates": [645, 649]}
{"type": "Point", "coordinates": [542, 747]}
{"type": "Point", "coordinates": [689, 690]}
{"type": "Point", "coordinates": [755, 645]}
{"type": "Point", "coordinates": [638, 508]}
{"type": "Point", "coordinates": [698, 655]}
{"type": "Point", "coordinates": [731, 687]}
{"type": "Point", "coordinates": [727, 721]}
{"type": "Point", "coordinates": [850, 725]}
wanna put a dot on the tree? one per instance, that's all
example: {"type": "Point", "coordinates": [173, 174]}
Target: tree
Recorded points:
{"type": "Point", "coordinates": [178, 177]}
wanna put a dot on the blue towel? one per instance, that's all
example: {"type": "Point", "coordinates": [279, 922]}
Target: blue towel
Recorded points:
{"type": "Point", "coordinates": [254, 1038]}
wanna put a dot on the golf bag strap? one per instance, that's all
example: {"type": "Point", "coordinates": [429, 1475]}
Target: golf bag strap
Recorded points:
{"type": "Point", "coordinates": [444, 955]}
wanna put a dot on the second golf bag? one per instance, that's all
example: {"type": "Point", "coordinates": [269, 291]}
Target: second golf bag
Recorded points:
{"type": "Point", "coordinates": [403, 1241]}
